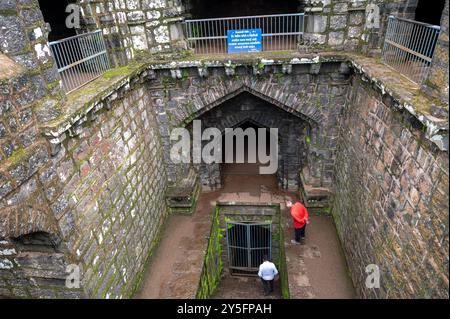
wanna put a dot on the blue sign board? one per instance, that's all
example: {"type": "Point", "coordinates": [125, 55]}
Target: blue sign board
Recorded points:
{"type": "Point", "coordinates": [244, 41]}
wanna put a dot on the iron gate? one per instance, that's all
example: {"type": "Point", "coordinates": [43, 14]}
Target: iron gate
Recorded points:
{"type": "Point", "coordinates": [247, 244]}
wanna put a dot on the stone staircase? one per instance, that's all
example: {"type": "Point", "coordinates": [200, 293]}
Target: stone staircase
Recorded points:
{"type": "Point", "coordinates": [182, 196]}
{"type": "Point", "coordinates": [316, 199]}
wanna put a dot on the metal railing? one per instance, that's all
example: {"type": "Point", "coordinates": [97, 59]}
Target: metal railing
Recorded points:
{"type": "Point", "coordinates": [279, 32]}
{"type": "Point", "coordinates": [409, 46]}
{"type": "Point", "coordinates": [80, 59]}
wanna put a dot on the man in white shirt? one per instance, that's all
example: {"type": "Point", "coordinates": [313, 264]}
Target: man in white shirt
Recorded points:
{"type": "Point", "coordinates": [267, 272]}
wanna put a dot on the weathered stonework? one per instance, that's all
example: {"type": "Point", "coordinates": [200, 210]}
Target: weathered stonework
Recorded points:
{"type": "Point", "coordinates": [336, 24]}
{"type": "Point", "coordinates": [437, 83]}
{"type": "Point", "coordinates": [391, 199]}
{"type": "Point", "coordinates": [32, 257]}
{"type": "Point", "coordinates": [83, 178]}
{"type": "Point", "coordinates": [113, 195]}
{"type": "Point", "coordinates": [306, 92]}
{"type": "Point", "coordinates": [105, 189]}
{"type": "Point", "coordinates": [134, 26]}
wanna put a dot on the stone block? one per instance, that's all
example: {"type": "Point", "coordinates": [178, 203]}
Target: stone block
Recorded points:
{"type": "Point", "coordinates": [338, 22]}
{"type": "Point", "coordinates": [335, 38]}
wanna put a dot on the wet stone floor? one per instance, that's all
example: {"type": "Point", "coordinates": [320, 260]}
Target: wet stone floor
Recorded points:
{"type": "Point", "coordinates": [239, 287]}
{"type": "Point", "coordinates": [315, 270]}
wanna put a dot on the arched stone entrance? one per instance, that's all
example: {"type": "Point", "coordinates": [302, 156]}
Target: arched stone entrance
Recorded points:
{"type": "Point", "coordinates": [244, 108]}
{"type": "Point", "coordinates": [304, 93]}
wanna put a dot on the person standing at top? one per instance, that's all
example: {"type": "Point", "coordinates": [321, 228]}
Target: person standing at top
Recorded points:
{"type": "Point", "coordinates": [300, 216]}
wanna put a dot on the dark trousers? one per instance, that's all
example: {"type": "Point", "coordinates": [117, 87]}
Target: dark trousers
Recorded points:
{"type": "Point", "coordinates": [268, 285]}
{"type": "Point", "coordinates": [300, 233]}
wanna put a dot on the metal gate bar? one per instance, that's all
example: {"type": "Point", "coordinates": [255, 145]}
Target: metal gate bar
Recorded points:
{"type": "Point", "coordinates": [247, 244]}
{"type": "Point", "coordinates": [409, 47]}
{"type": "Point", "coordinates": [279, 31]}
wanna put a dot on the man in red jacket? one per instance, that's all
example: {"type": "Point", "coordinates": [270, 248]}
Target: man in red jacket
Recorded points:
{"type": "Point", "coordinates": [300, 216]}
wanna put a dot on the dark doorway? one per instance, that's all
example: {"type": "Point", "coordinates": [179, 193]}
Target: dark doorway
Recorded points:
{"type": "Point", "coordinates": [248, 243]}
{"type": "Point", "coordinates": [54, 13]}
{"type": "Point", "coordinates": [251, 151]}
{"type": "Point", "coordinates": [203, 9]}
{"type": "Point", "coordinates": [38, 241]}
{"type": "Point", "coordinates": [430, 11]}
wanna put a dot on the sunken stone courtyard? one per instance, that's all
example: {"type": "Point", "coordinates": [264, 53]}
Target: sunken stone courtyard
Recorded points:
{"type": "Point", "coordinates": [94, 204]}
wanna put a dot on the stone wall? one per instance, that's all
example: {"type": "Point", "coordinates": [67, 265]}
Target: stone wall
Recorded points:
{"type": "Point", "coordinates": [31, 253]}
{"type": "Point", "coordinates": [391, 199]}
{"type": "Point", "coordinates": [213, 264]}
{"type": "Point", "coordinates": [111, 203]}
{"type": "Point", "coordinates": [32, 258]}
{"type": "Point", "coordinates": [336, 24]}
{"type": "Point", "coordinates": [438, 79]}
{"type": "Point", "coordinates": [104, 191]}
{"type": "Point", "coordinates": [23, 38]}
{"type": "Point", "coordinates": [347, 24]}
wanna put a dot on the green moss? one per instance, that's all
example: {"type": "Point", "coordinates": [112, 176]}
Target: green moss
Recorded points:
{"type": "Point", "coordinates": [18, 156]}
{"type": "Point", "coordinates": [184, 75]}
{"type": "Point", "coordinates": [282, 265]}
{"type": "Point", "coordinates": [137, 284]}
{"type": "Point", "coordinates": [116, 72]}
{"type": "Point", "coordinates": [8, 12]}
{"type": "Point", "coordinates": [422, 102]}
{"type": "Point", "coordinates": [53, 85]}
{"type": "Point", "coordinates": [213, 265]}
{"type": "Point", "coordinates": [167, 81]}
{"type": "Point", "coordinates": [279, 76]}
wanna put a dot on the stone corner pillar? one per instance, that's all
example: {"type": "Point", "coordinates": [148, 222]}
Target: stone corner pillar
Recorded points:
{"type": "Point", "coordinates": [437, 82]}
{"type": "Point", "coordinates": [316, 22]}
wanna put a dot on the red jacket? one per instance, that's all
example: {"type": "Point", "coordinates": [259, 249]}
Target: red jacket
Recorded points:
{"type": "Point", "coordinates": [300, 215]}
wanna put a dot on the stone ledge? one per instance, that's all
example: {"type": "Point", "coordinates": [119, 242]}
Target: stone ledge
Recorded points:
{"type": "Point", "coordinates": [86, 102]}
{"type": "Point", "coordinates": [405, 95]}
{"type": "Point", "coordinates": [99, 94]}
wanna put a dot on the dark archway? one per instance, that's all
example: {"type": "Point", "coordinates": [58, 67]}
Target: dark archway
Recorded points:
{"type": "Point", "coordinates": [55, 14]}
{"type": "Point", "coordinates": [246, 110]}
{"type": "Point", "coordinates": [203, 9]}
{"type": "Point", "coordinates": [39, 240]}
{"type": "Point", "coordinates": [430, 13]}
{"type": "Point", "coordinates": [248, 167]}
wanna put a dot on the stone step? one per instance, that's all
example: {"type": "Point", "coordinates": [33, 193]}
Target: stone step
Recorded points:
{"type": "Point", "coordinates": [182, 197]}
{"type": "Point", "coordinates": [316, 199]}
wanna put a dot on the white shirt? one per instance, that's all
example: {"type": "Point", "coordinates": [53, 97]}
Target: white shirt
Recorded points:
{"type": "Point", "coordinates": [267, 270]}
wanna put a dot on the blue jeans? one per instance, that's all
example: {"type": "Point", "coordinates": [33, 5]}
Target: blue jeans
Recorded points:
{"type": "Point", "coordinates": [300, 233]}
